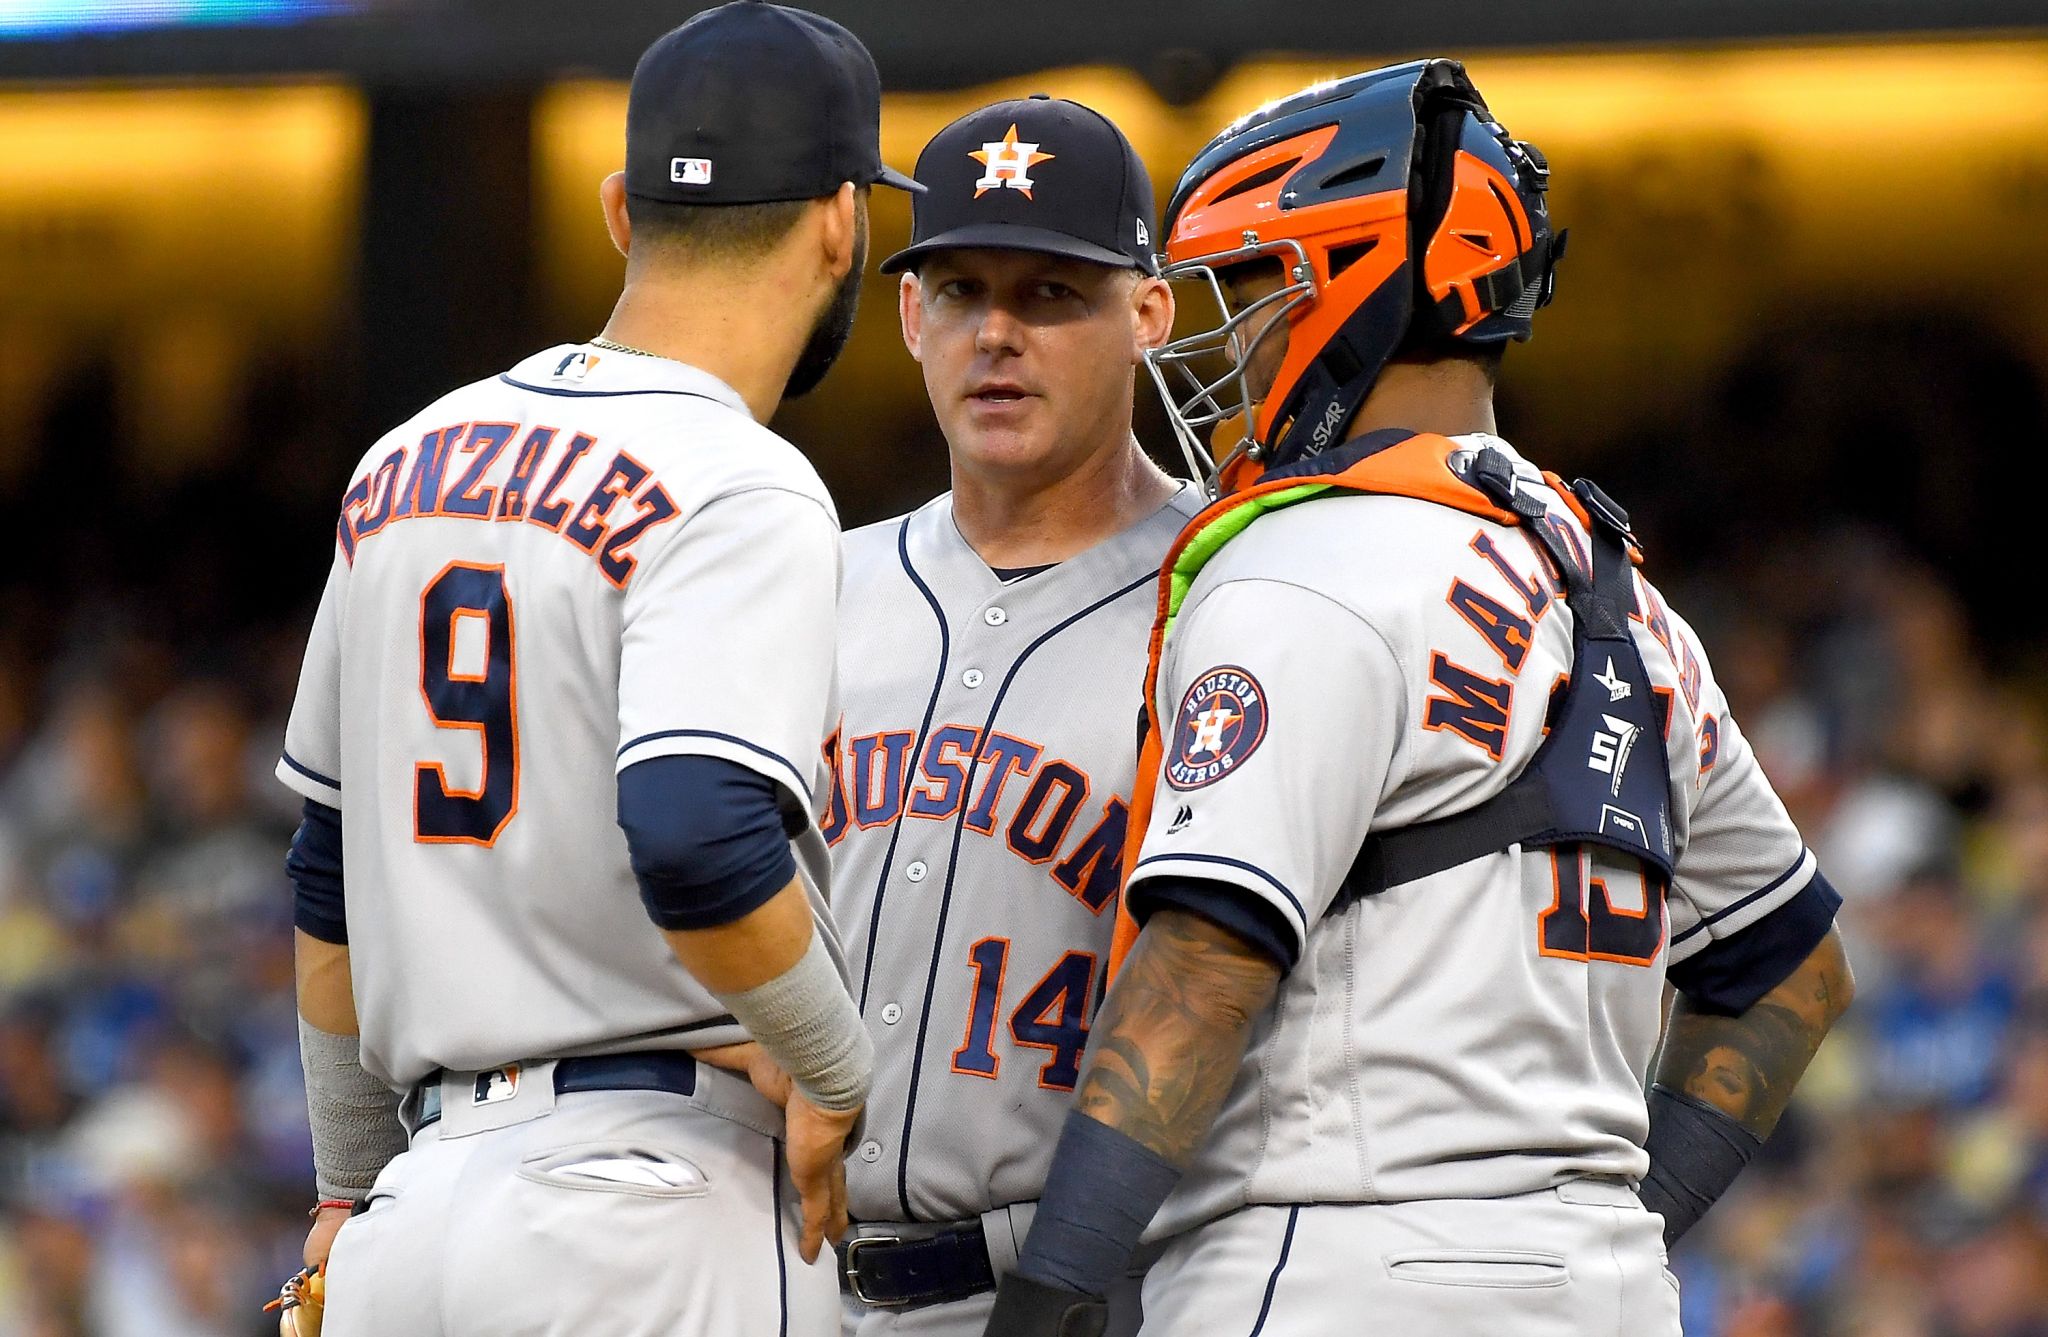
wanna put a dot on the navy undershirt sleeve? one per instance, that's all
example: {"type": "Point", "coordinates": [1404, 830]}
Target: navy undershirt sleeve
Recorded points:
{"type": "Point", "coordinates": [314, 866]}
{"type": "Point", "coordinates": [1223, 904]}
{"type": "Point", "coordinates": [706, 837]}
{"type": "Point", "coordinates": [1730, 974]}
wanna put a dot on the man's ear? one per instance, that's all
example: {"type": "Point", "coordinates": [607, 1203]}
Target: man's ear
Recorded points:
{"type": "Point", "coordinates": [910, 310]}
{"type": "Point", "coordinates": [1151, 314]}
{"type": "Point", "coordinates": [840, 230]}
{"type": "Point", "coordinates": [612, 194]}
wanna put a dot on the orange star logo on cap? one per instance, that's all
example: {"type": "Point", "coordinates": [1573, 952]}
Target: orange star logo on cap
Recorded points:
{"type": "Point", "coordinates": [1007, 163]}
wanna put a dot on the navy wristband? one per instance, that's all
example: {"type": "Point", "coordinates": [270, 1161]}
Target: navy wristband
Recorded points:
{"type": "Point", "coordinates": [1102, 1191]}
{"type": "Point", "coordinates": [1695, 1153]}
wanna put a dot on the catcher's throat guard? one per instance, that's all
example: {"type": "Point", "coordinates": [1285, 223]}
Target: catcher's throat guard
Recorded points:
{"type": "Point", "coordinates": [1401, 215]}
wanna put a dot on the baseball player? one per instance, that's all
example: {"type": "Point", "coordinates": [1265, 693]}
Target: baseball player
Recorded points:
{"type": "Point", "coordinates": [1439, 793]}
{"type": "Point", "coordinates": [578, 642]}
{"type": "Point", "coordinates": [991, 646]}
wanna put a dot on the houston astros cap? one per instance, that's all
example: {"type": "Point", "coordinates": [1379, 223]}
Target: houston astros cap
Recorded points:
{"type": "Point", "coordinates": [1038, 174]}
{"type": "Point", "coordinates": [750, 103]}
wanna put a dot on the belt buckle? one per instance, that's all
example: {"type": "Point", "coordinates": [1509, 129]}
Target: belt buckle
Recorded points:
{"type": "Point", "coordinates": [850, 1267]}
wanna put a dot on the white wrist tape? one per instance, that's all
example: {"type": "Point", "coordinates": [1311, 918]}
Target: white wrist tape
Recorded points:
{"type": "Point", "coordinates": [806, 1021]}
{"type": "Point", "coordinates": [354, 1116]}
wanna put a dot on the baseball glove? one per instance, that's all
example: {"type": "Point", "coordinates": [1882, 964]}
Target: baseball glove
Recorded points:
{"type": "Point", "coordinates": [301, 1304]}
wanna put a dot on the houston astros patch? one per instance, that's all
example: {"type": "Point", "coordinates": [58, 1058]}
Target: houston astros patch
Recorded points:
{"type": "Point", "coordinates": [1222, 721]}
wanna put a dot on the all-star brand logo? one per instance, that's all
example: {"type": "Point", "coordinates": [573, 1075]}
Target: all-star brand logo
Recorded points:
{"type": "Point", "coordinates": [1007, 164]}
{"type": "Point", "coordinates": [1327, 428]}
{"type": "Point", "coordinates": [1617, 689]}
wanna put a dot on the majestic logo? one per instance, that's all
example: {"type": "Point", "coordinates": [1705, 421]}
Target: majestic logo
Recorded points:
{"type": "Point", "coordinates": [1221, 722]}
{"type": "Point", "coordinates": [690, 171]}
{"type": "Point", "coordinates": [1007, 163]}
{"type": "Point", "coordinates": [576, 366]}
{"type": "Point", "coordinates": [496, 1085]}
{"type": "Point", "coordinates": [1617, 690]}
{"type": "Point", "coordinates": [1609, 754]}
{"type": "Point", "coordinates": [1181, 820]}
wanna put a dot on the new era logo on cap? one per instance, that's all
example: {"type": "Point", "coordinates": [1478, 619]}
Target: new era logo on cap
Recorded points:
{"type": "Point", "coordinates": [690, 171]}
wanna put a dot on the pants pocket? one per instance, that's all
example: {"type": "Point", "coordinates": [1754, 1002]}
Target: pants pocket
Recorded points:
{"type": "Point", "coordinates": [1504, 1269]}
{"type": "Point", "coordinates": [634, 1168]}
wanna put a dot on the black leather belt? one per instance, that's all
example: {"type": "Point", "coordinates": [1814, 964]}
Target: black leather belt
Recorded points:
{"type": "Point", "coordinates": [653, 1070]}
{"type": "Point", "coordinates": [889, 1272]}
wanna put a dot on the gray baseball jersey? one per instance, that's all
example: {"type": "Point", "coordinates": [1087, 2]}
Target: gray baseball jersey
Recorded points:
{"type": "Point", "coordinates": [543, 578]}
{"type": "Point", "coordinates": [985, 762]}
{"type": "Point", "coordinates": [1360, 663]}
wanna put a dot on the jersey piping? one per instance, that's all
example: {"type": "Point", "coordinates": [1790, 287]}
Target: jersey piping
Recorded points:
{"type": "Point", "coordinates": [562, 393]}
{"type": "Point", "coordinates": [924, 728]}
{"type": "Point", "coordinates": [952, 871]}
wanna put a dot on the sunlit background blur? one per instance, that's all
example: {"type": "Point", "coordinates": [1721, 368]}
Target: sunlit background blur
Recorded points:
{"type": "Point", "coordinates": [1802, 333]}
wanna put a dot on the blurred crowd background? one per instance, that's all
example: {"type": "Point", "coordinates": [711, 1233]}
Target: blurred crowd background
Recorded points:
{"type": "Point", "coordinates": [1798, 334]}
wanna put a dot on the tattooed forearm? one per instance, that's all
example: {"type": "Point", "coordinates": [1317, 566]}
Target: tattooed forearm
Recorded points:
{"type": "Point", "coordinates": [1746, 1066]}
{"type": "Point", "coordinates": [1173, 1031]}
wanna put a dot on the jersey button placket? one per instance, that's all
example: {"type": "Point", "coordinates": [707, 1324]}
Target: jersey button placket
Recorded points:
{"type": "Point", "coordinates": [973, 678]}
{"type": "Point", "coordinates": [891, 1013]}
{"type": "Point", "coordinates": [917, 870]}
{"type": "Point", "coordinates": [871, 1151]}
{"type": "Point", "coordinates": [995, 617]}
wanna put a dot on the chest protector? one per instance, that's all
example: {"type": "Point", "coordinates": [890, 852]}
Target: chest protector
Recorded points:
{"type": "Point", "coordinates": [1598, 778]}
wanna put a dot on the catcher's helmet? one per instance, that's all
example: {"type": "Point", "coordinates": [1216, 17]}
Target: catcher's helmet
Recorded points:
{"type": "Point", "coordinates": [1404, 215]}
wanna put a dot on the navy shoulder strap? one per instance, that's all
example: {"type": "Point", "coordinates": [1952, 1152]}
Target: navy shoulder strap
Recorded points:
{"type": "Point", "coordinates": [1599, 777]}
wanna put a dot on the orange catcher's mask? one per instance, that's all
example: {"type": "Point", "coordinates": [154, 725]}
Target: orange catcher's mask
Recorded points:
{"type": "Point", "coordinates": [1403, 216]}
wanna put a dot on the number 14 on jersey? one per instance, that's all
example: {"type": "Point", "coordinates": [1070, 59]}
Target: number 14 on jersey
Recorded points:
{"type": "Point", "coordinates": [1053, 1015]}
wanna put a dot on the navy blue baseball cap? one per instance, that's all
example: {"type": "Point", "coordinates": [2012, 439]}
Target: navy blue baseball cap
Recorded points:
{"type": "Point", "coordinates": [1037, 174]}
{"type": "Point", "coordinates": [750, 103]}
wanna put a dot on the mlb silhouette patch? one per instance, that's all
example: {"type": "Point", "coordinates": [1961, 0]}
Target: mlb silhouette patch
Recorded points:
{"type": "Point", "coordinates": [1007, 163]}
{"type": "Point", "coordinates": [576, 366]}
{"type": "Point", "coordinates": [1222, 721]}
{"type": "Point", "coordinates": [496, 1085]}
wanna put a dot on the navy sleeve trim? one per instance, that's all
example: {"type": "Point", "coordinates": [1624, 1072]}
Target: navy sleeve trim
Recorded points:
{"type": "Point", "coordinates": [755, 748]}
{"type": "Point", "coordinates": [319, 906]}
{"type": "Point", "coordinates": [1751, 899]}
{"type": "Point", "coordinates": [1730, 974]}
{"type": "Point", "coordinates": [309, 772]}
{"type": "Point", "coordinates": [1224, 904]}
{"type": "Point", "coordinates": [705, 837]}
{"type": "Point", "coordinates": [1256, 871]}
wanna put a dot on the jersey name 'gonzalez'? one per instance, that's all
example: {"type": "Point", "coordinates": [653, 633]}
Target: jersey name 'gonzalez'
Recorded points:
{"type": "Point", "coordinates": [448, 473]}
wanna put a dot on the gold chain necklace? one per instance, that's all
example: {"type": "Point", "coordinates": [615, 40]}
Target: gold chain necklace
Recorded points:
{"type": "Point", "coordinates": [602, 342]}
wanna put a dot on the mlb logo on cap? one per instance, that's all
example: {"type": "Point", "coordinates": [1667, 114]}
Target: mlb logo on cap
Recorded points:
{"type": "Point", "coordinates": [690, 171]}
